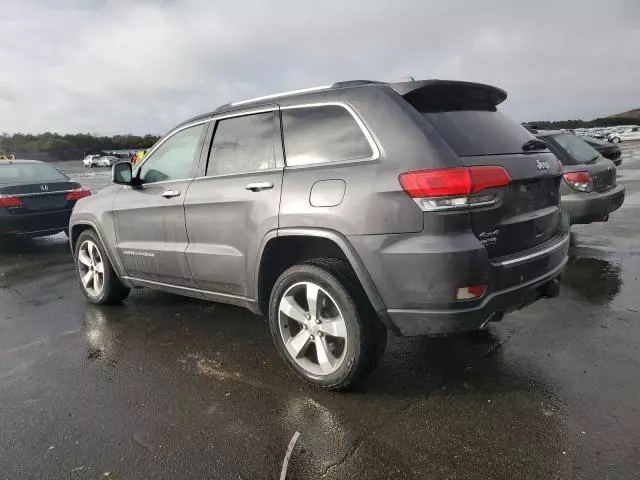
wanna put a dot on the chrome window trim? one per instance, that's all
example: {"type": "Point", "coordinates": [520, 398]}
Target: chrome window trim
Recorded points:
{"type": "Point", "coordinates": [375, 155]}
{"type": "Point", "coordinates": [163, 182]}
{"type": "Point", "coordinates": [244, 113]}
{"type": "Point", "coordinates": [239, 174]}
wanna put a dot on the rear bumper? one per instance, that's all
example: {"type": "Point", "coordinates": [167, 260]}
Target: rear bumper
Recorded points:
{"type": "Point", "coordinates": [33, 224]}
{"type": "Point", "coordinates": [585, 207]}
{"type": "Point", "coordinates": [439, 322]}
{"type": "Point", "coordinates": [417, 277]}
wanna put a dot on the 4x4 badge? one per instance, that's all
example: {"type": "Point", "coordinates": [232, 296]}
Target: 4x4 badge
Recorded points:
{"type": "Point", "coordinates": [542, 165]}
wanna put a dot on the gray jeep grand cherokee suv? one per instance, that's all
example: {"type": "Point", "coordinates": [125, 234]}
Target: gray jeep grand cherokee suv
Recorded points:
{"type": "Point", "coordinates": [341, 212]}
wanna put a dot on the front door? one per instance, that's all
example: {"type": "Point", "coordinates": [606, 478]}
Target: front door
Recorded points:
{"type": "Point", "coordinates": [149, 219]}
{"type": "Point", "coordinates": [230, 210]}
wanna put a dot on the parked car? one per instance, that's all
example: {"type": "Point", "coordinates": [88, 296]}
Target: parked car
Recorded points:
{"type": "Point", "coordinates": [596, 134]}
{"type": "Point", "coordinates": [35, 199]}
{"type": "Point", "coordinates": [589, 190]}
{"type": "Point", "coordinates": [632, 133]}
{"type": "Point", "coordinates": [91, 161]}
{"type": "Point", "coordinates": [107, 160]}
{"type": "Point", "coordinates": [612, 152]}
{"type": "Point", "coordinates": [413, 206]}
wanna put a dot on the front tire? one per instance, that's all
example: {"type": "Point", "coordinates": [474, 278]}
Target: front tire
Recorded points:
{"type": "Point", "coordinates": [615, 140]}
{"type": "Point", "coordinates": [323, 325]}
{"type": "Point", "coordinates": [98, 280]}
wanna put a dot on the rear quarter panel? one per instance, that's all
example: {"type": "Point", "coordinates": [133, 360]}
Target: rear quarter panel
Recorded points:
{"type": "Point", "coordinates": [373, 201]}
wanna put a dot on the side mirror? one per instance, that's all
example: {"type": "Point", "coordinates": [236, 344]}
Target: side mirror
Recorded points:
{"type": "Point", "coordinates": [121, 173]}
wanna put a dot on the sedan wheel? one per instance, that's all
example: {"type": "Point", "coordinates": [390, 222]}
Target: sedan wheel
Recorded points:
{"type": "Point", "coordinates": [91, 268]}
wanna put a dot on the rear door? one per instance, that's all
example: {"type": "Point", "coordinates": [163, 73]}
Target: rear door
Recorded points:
{"type": "Point", "coordinates": [149, 219]}
{"type": "Point", "coordinates": [466, 117]}
{"type": "Point", "coordinates": [231, 208]}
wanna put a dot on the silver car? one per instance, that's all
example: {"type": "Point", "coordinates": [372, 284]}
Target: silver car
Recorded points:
{"type": "Point", "coordinates": [590, 192]}
{"type": "Point", "coordinates": [107, 161]}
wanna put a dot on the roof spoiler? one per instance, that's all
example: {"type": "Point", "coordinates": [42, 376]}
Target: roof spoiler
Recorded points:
{"type": "Point", "coordinates": [413, 90]}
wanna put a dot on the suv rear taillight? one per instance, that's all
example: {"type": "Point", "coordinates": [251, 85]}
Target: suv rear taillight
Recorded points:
{"type": "Point", "coordinates": [450, 188]}
{"type": "Point", "coordinates": [78, 193]}
{"type": "Point", "coordinates": [9, 201]}
{"type": "Point", "coordinates": [580, 181]}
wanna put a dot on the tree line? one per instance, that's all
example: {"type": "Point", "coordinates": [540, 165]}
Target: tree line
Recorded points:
{"type": "Point", "coordinates": [596, 122]}
{"type": "Point", "coordinates": [54, 146]}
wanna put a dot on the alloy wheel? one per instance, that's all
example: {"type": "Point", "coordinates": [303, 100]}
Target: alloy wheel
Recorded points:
{"type": "Point", "coordinates": [91, 268]}
{"type": "Point", "coordinates": [313, 328]}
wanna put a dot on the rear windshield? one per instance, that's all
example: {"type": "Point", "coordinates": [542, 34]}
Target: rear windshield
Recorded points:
{"type": "Point", "coordinates": [574, 147]}
{"type": "Point", "coordinates": [467, 118]}
{"type": "Point", "coordinates": [479, 132]}
{"type": "Point", "coordinates": [29, 172]}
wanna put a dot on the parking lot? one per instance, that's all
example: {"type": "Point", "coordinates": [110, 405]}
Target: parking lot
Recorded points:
{"type": "Point", "coordinates": [171, 387]}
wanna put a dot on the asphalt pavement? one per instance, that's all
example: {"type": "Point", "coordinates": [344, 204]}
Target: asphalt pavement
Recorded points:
{"type": "Point", "coordinates": [165, 387]}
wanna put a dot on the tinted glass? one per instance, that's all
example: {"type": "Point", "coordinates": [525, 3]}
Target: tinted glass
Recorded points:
{"type": "Point", "coordinates": [174, 158]}
{"type": "Point", "coordinates": [29, 172]}
{"type": "Point", "coordinates": [577, 150]}
{"type": "Point", "coordinates": [322, 134]}
{"type": "Point", "coordinates": [479, 132]}
{"type": "Point", "coordinates": [244, 144]}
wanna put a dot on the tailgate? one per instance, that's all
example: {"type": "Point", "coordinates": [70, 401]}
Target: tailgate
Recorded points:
{"type": "Point", "coordinates": [526, 212]}
{"type": "Point", "coordinates": [529, 211]}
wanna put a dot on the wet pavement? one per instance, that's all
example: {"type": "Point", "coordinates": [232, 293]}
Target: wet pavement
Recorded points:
{"type": "Point", "coordinates": [170, 387]}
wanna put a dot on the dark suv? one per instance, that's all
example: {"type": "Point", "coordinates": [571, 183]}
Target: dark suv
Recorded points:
{"type": "Point", "coordinates": [341, 212]}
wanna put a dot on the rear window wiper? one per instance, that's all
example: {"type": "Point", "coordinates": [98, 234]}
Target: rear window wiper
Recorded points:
{"type": "Point", "coordinates": [593, 159]}
{"type": "Point", "coordinates": [534, 144]}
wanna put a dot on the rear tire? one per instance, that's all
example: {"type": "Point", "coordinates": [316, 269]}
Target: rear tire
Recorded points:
{"type": "Point", "coordinates": [615, 140]}
{"type": "Point", "coordinates": [98, 280]}
{"type": "Point", "coordinates": [348, 336]}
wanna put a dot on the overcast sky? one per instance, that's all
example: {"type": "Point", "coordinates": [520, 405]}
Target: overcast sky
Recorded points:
{"type": "Point", "coordinates": [116, 66]}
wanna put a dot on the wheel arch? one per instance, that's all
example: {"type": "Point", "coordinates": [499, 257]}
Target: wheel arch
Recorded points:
{"type": "Point", "coordinates": [75, 230]}
{"type": "Point", "coordinates": [301, 244]}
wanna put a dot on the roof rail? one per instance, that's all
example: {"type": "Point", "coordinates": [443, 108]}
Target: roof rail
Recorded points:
{"type": "Point", "coordinates": [283, 94]}
{"type": "Point", "coordinates": [353, 83]}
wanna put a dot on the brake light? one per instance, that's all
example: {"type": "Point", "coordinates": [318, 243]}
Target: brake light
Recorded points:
{"type": "Point", "coordinates": [78, 193]}
{"type": "Point", "coordinates": [449, 188]}
{"type": "Point", "coordinates": [580, 181]}
{"type": "Point", "coordinates": [9, 201]}
{"type": "Point", "coordinates": [469, 293]}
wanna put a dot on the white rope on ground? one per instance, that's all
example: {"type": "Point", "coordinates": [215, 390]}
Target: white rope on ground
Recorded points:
{"type": "Point", "coordinates": [285, 463]}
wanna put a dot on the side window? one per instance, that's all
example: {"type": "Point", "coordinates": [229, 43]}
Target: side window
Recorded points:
{"type": "Point", "coordinates": [244, 144]}
{"type": "Point", "coordinates": [174, 158]}
{"type": "Point", "coordinates": [321, 134]}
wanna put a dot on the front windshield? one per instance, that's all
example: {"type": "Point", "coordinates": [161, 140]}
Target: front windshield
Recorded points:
{"type": "Point", "coordinates": [29, 172]}
{"type": "Point", "coordinates": [575, 147]}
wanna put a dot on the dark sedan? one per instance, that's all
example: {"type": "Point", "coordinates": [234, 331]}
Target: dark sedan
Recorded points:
{"type": "Point", "coordinates": [606, 149]}
{"type": "Point", "coordinates": [35, 198]}
{"type": "Point", "coordinates": [589, 191]}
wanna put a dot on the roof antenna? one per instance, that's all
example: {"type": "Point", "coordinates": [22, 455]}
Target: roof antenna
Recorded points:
{"type": "Point", "coordinates": [406, 79]}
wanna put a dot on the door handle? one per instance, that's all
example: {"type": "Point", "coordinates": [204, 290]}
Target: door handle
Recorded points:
{"type": "Point", "coordinates": [258, 186]}
{"type": "Point", "coordinates": [170, 193]}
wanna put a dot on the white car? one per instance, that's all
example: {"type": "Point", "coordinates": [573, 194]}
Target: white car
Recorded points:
{"type": "Point", "coordinates": [90, 161]}
{"type": "Point", "coordinates": [632, 133]}
{"type": "Point", "coordinates": [107, 161]}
